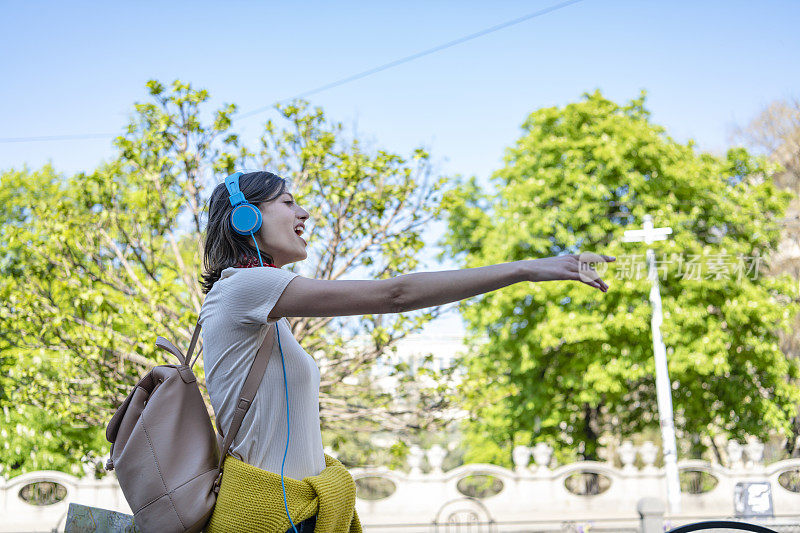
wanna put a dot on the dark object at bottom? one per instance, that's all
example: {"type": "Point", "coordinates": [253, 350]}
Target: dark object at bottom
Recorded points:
{"type": "Point", "coordinates": [83, 519]}
{"type": "Point", "coordinates": [306, 526]}
{"type": "Point", "coordinates": [719, 524]}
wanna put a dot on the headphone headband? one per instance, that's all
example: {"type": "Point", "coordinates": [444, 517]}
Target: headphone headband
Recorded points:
{"type": "Point", "coordinates": [232, 183]}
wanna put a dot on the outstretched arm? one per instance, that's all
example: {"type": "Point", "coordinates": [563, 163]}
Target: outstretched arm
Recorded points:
{"type": "Point", "coordinates": [312, 297]}
{"type": "Point", "coordinates": [428, 289]}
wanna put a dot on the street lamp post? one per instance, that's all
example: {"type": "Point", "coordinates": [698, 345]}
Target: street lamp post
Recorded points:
{"type": "Point", "coordinates": [663, 388]}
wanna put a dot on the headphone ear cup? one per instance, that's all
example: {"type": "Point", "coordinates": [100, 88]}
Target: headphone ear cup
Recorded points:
{"type": "Point", "coordinates": [246, 219]}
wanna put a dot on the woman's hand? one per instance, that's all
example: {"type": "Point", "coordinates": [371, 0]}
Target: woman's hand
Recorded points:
{"type": "Point", "coordinates": [578, 267]}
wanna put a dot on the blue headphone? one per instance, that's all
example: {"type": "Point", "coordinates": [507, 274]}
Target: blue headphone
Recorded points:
{"type": "Point", "coordinates": [246, 220]}
{"type": "Point", "coordinates": [245, 217]}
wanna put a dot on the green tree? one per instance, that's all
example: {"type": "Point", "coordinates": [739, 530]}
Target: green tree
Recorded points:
{"type": "Point", "coordinates": [94, 266]}
{"type": "Point", "coordinates": [775, 130]}
{"type": "Point", "coordinates": [566, 365]}
{"type": "Point", "coordinates": [33, 438]}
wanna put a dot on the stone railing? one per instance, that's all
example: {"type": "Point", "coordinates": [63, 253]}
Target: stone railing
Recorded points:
{"type": "Point", "coordinates": [533, 492]}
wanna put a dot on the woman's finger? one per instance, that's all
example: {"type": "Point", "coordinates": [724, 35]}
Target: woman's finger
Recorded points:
{"type": "Point", "coordinates": [593, 283]}
{"type": "Point", "coordinates": [601, 284]}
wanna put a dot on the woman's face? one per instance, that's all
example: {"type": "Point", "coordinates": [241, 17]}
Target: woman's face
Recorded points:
{"type": "Point", "coordinates": [277, 236]}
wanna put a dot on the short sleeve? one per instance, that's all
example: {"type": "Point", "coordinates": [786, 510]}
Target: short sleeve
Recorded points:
{"type": "Point", "coordinates": [249, 294]}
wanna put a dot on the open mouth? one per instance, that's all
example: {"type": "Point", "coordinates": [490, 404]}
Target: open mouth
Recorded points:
{"type": "Point", "coordinates": [298, 232]}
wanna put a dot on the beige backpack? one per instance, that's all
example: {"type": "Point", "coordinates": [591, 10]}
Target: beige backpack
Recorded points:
{"type": "Point", "coordinates": [166, 454]}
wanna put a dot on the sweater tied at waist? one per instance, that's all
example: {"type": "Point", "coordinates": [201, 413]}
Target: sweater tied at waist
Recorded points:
{"type": "Point", "coordinates": [251, 499]}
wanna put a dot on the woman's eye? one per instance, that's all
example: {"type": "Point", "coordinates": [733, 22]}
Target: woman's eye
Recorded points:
{"type": "Point", "coordinates": [289, 202]}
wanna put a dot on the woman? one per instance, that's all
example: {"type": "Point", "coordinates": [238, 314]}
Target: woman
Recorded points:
{"type": "Point", "coordinates": [248, 291]}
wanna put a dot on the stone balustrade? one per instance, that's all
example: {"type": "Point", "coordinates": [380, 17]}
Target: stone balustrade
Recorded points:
{"type": "Point", "coordinates": [534, 490]}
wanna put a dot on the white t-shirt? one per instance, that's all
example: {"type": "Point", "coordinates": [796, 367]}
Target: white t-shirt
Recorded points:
{"type": "Point", "coordinates": [234, 319]}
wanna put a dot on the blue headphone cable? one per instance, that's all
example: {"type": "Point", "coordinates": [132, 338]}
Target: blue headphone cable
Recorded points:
{"type": "Point", "coordinates": [286, 390]}
{"type": "Point", "coordinates": [246, 218]}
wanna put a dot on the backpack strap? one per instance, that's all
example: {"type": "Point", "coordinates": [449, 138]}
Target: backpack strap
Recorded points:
{"type": "Point", "coordinates": [195, 335]}
{"type": "Point", "coordinates": [246, 395]}
{"type": "Point", "coordinates": [164, 344]}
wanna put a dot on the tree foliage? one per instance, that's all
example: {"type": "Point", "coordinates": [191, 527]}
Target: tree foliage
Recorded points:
{"type": "Point", "coordinates": [93, 266]}
{"type": "Point", "coordinates": [776, 131]}
{"type": "Point", "coordinates": [565, 364]}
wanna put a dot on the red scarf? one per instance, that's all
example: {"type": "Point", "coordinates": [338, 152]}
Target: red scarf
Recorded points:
{"type": "Point", "coordinates": [250, 262]}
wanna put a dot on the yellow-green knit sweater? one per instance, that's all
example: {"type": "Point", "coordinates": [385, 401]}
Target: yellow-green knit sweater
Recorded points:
{"type": "Point", "coordinates": [251, 499]}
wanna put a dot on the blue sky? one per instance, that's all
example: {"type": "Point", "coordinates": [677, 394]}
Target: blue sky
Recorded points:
{"type": "Point", "coordinates": [78, 67]}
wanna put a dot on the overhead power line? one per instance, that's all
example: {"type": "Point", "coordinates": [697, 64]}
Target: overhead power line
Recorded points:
{"type": "Point", "coordinates": [418, 55]}
{"type": "Point", "coordinates": [327, 86]}
{"type": "Point", "coordinates": [76, 137]}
